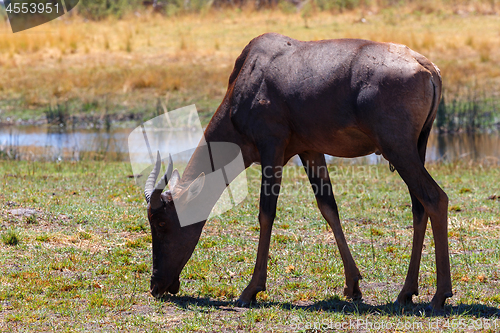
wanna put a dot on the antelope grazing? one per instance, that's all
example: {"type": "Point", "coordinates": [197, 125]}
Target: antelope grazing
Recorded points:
{"type": "Point", "coordinates": [345, 98]}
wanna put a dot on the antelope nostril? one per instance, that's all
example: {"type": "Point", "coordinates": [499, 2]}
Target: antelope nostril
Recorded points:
{"type": "Point", "coordinates": [154, 290]}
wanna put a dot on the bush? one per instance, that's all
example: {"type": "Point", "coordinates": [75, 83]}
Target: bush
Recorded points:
{"type": "Point", "coordinates": [10, 238]}
{"type": "Point", "coordinates": [339, 5]}
{"type": "Point", "coordinates": [3, 13]}
{"type": "Point", "coordinates": [100, 9]}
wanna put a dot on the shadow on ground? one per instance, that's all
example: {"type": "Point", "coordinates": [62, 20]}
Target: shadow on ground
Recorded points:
{"type": "Point", "coordinates": [337, 305]}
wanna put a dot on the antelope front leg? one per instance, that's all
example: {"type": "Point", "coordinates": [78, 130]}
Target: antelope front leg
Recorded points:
{"type": "Point", "coordinates": [316, 169]}
{"type": "Point", "coordinates": [271, 183]}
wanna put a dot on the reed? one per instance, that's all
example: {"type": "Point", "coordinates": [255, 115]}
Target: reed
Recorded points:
{"type": "Point", "coordinates": [9, 150]}
{"type": "Point", "coordinates": [58, 115]}
{"type": "Point", "coordinates": [477, 112]}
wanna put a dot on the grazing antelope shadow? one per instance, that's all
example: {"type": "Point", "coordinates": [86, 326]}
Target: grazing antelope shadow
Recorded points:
{"type": "Point", "coordinates": [345, 98]}
{"type": "Point", "coordinates": [336, 305]}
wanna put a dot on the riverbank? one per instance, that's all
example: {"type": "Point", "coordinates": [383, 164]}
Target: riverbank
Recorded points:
{"type": "Point", "coordinates": [132, 69]}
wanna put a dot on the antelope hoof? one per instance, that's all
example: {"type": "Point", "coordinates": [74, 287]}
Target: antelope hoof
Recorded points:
{"type": "Point", "coordinates": [437, 303]}
{"type": "Point", "coordinates": [405, 298]}
{"type": "Point", "coordinates": [352, 290]}
{"type": "Point", "coordinates": [247, 297]}
{"type": "Point", "coordinates": [245, 303]}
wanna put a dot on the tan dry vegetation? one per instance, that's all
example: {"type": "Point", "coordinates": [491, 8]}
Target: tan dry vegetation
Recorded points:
{"type": "Point", "coordinates": [191, 56]}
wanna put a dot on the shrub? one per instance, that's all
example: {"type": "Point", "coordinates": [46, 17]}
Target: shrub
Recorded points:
{"type": "Point", "coordinates": [10, 238]}
{"type": "Point", "coordinates": [100, 9]}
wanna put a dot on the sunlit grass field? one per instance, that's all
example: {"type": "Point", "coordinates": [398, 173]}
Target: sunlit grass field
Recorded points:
{"type": "Point", "coordinates": [75, 244]}
{"type": "Point", "coordinates": [75, 254]}
{"type": "Point", "coordinates": [148, 62]}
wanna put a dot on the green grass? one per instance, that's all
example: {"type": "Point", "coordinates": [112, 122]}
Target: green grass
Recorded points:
{"type": "Point", "coordinates": [84, 265]}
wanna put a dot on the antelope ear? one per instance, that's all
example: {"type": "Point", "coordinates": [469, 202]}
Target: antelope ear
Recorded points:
{"type": "Point", "coordinates": [195, 188]}
{"type": "Point", "coordinates": [174, 179]}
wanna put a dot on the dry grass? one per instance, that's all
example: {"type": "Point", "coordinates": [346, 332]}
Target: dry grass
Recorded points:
{"type": "Point", "coordinates": [189, 58]}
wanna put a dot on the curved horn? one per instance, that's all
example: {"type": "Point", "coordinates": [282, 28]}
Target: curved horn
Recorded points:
{"type": "Point", "coordinates": [155, 197]}
{"type": "Point", "coordinates": [170, 168]}
{"type": "Point", "coordinates": [150, 183]}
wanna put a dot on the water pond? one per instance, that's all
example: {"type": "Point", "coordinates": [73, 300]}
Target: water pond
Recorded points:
{"type": "Point", "coordinates": [46, 143]}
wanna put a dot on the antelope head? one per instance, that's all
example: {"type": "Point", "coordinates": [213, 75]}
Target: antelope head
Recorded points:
{"type": "Point", "coordinates": [173, 245]}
